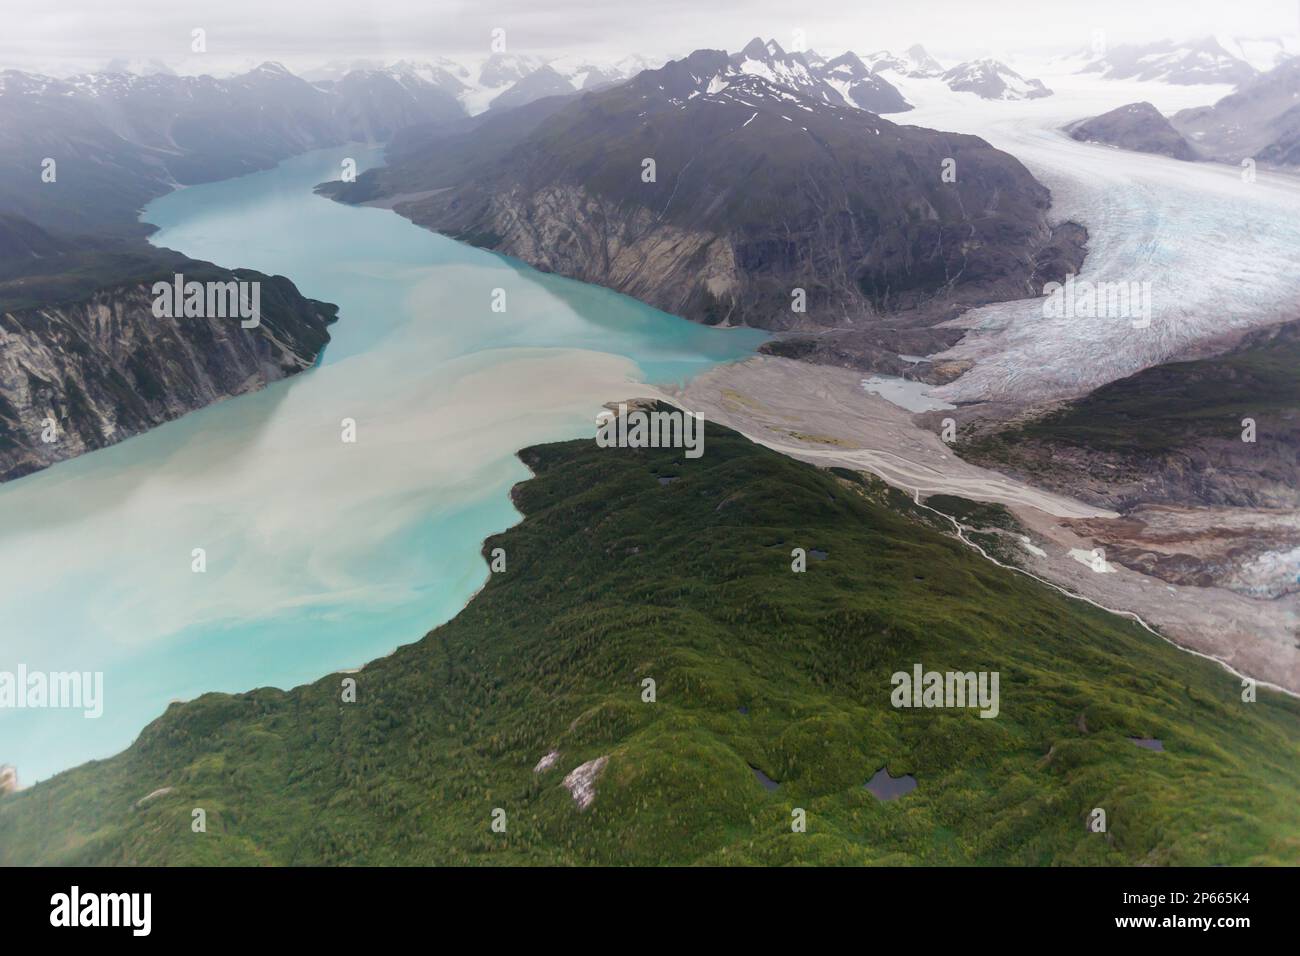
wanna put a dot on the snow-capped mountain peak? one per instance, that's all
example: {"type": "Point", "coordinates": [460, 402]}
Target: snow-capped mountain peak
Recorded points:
{"type": "Point", "coordinates": [993, 80]}
{"type": "Point", "coordinates": [768, 60]}
{"type": "Point", "coordinates": [1261, 52]}
{"type": "Point", "coordinates": [920, 63]}
{"type": "Point", "coordinates": [272, 68]}
{"type": "Point", "coordinates": [847, 66]}
{"type": "Point", "coordinates": [441, 73]}
{"type": "Point", "coordinates": [842, 81]}
{"type": "Point", "coordinates": [1203, 60]}
{"type": "Point", "coordinates": [883, 60]}
{"type": "Point", "coordinates": [502, 69]}
{"type": "Point", "coordinates": [915, 62]}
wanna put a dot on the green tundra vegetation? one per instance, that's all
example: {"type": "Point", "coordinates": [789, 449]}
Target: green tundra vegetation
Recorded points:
{"type": "Point", "coordinates": [614, 577]}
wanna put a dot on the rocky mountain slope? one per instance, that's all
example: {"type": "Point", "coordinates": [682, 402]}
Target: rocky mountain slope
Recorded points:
{"type": "Point", "coordinates": [1261, 121]}
{"type": "Point", "coordinates": [1172, 433]}
{"type": "Point", "coordinates": [758, 190]}
{"type": "Point", "coordinates": [1137, 126]}
{"type": "Point", "coordinates": [860, 87]}
{"type": "Point", "coordinates": [85, 362]}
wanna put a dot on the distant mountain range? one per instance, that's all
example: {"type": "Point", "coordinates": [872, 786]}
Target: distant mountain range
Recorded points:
{"type": "Point", "coordinates": [501, 80]}
{"type": "Point", "coordinates": [766, 181]}
{"type": "Point", "coordinates": [1204, 60]}
{"type": "Point", "coordinates": [508, 80]}
{"type": "Point", "coordinates": [988, 78]}
{"type": "Point", "coordinates": [120, 140]}
{"type": "Point", "coordinates": [1261, 121]}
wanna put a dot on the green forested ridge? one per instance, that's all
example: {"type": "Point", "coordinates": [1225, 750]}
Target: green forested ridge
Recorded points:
{"type": "Point", "coordinates": [39, 269]}
{"type": "Point", "coordinates": [612, 578]}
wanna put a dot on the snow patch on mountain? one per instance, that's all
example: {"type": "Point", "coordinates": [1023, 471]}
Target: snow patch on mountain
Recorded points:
{"type": "Point", "coordinates": [844, 81]}
{"type": "Point", "coordinates": [993, 80]}
{"type": "Point", "coordinates": [1204, 60]}
{"type": "Point", "coordinates": [915, 62]}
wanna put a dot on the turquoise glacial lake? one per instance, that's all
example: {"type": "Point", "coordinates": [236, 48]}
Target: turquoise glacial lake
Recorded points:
{"type": "Point", "coordinates": [320, 554]}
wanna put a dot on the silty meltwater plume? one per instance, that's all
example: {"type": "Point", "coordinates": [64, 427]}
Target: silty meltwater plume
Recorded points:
{"type": "Point", "coordinates": [320, 554]}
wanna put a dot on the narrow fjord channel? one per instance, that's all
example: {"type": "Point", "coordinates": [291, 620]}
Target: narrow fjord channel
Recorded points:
{"type": "Point", "coordinates": [321, 554]}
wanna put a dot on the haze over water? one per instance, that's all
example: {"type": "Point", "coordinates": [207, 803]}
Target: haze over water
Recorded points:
{"type": "Point", "coordinates": [321, 555]}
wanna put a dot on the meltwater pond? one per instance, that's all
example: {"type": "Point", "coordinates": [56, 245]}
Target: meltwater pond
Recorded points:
{"type": "Point", "coordinates": [321, 555]}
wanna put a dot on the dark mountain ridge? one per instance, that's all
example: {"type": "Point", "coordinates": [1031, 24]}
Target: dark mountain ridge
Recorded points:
{"type": "Point", "coordinates": [79, 344]}
{"type": "Point", "coordinates": [759, 190]}
{"type": "Point", "coordinates": [81, 347]}
{"type": "Point", "coordinates": [1137, 126]}
{"type": "Point", "coordinates": [1170, 434]}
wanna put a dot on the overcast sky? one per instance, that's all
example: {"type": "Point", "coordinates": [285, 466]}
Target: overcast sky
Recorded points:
{"type": "Point", "coordinates": [303, 32]}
